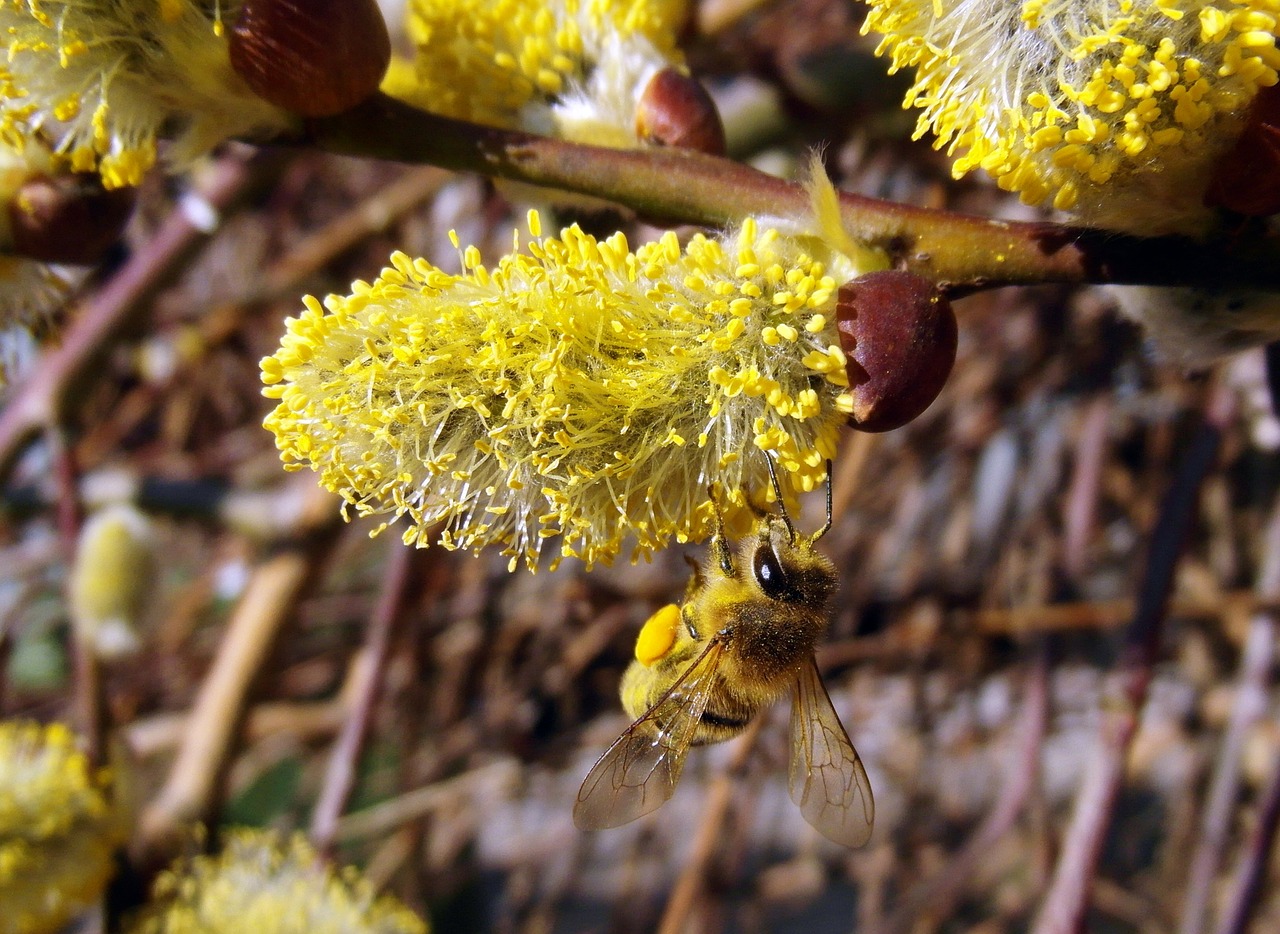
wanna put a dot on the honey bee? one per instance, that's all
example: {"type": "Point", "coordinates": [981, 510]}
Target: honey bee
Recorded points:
{"type": "Point", "coordinates": [744, 635]}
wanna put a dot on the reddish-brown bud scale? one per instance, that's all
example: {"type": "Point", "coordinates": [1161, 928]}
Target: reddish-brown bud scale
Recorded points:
{"type": "Point", "coordinates": [67, 219]}
{"type": "Point", "coordinates": [899, 334]}
{"type": "Point", "coordinates": [315, 58]}
{"type": "Point", "coordinates": [676, 110]}
{"type": "Point", "coordinates": [1247, 179]}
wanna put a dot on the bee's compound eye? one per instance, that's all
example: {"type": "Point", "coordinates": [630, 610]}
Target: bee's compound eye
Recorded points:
{"type": "Point", "coordinates": [769, 574]}
{"type": "Point", "coordinates": [657, 635]}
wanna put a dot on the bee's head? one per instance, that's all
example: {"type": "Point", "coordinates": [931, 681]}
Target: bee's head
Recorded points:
{"type": "Point", "coordinates": [784, 564]}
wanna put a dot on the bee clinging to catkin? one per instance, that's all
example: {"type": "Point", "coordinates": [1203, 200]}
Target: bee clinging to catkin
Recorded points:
{"type": "Point", "coordinates": [744, 636]}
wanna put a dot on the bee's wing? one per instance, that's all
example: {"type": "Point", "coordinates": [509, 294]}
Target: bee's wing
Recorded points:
{"type": "Point", "coordinates": [640, 770]}
{"type": "Point", "coordinates": [828, 781]}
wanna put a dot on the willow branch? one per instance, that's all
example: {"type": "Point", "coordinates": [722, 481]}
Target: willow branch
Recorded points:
{"type": "Point", "coordinates": [959, 251]}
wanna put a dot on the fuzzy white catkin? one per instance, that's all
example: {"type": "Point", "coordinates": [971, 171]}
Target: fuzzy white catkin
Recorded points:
{"type": "Point", "coordinates": [1194, 327]}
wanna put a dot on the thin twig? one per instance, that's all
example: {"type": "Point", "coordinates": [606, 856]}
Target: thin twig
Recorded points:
{"type": "Point", "coordinates": [853, 460]}
{"type": "Point", "coordinates": [90, 696]}
{"type": "Point", "coordinates": [1063, 909]}
{"type": "Point", "coordinates": [1253, 868]}
{"type": "Point", "coordinates": [310, 721]}
{"type": "Point", "coordinates": [958, 250]}
{"type": "Point", "coordinates": [689, 887]}
{"type": "Point", "coordinates": [1101, 614]}
{"type": "Point", "coordinates": [190, 792]}
{"type": "Point", "coordinates": [1080, 511]}
{"type": "Point", "coordinates": [390, 816]}
{"type": "Point", "coordinates": [936, 897]}
{"type": "Point", "coordinates": [1250, 706]}
{"type": "Point", "coordinates": [370, 216]}
{"type": "Point", "coordinates": [339, 779]}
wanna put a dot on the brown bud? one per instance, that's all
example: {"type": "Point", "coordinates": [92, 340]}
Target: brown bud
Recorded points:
{"type": "Point", "coordinates": [1247, 178]}
{"type": "Point", "coordinates": [676, 110]}
{"type": "Point", "coordinates": [67, 219]}
{"type": "Point", "coordinates": [312, 57]}
{"type": "Point", "coordinates": [899, 334]}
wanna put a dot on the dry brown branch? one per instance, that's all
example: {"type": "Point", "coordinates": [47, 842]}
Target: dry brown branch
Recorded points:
{"type": "Point", "coordinates": [1064, 906]}
{"type": "Point", "coordinates": [339, 779]}
{"type": "Point", "coordinates": [689, 887]}
{"type": "Point", "coordinates": [1250, 707]}
{"type": "Point", "coordinates": [190, 792]}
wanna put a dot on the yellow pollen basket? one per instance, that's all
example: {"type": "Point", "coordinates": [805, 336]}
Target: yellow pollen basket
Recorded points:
{"type": "Point", "coordinates": [657, 635]}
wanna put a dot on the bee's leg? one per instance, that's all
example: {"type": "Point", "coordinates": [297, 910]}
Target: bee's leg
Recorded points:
{"type": "Point", "coordinates": [687, 615]}
{"type": "Point", "coordinates": [782, 503]}
{"type": "Point", "coordinates": [720, 551]}
{"type": "Point", "coordinates": [827, 527]}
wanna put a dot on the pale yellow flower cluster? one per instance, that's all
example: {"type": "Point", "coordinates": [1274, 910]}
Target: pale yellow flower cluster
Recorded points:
{"type": "Point", "coordinates": [261, 883]}
{"type": "Point", "coordinates": [1113, 109]}
{"type": "Point", "coordinates": [568, 68]}
{"type": "Point", "coordinates": [578, 390]}
{"type": "Point", "coordinates": [59, 828]}
{"type": "Point", "coordinates": [112, 579]}
{"type": "Point", "coordinates": [101, 79]}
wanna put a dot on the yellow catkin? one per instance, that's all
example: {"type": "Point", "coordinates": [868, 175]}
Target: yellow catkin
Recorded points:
{"type": "Point", "coordinates": [59, 828]}
{"type": "Point", "coordinates": [577, 390]}
{"type": "Point", "coordinates": [101, 79]}
{"type": "Point", "coordinates": [1112, 109]}
{"type": "Point", "coordinates": [263, 883]}
{"type": "Point", "coordinates": [111, 579]}
{"type": "Point", "coordinates": [571, 68]}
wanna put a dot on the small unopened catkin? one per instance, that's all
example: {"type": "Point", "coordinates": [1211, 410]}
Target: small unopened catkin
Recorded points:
{"type": "Point", "coordinates": [112, 579]}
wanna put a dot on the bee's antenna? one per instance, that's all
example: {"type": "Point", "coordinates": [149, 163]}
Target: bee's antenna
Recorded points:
{"type": "Point", "coordinates": [826, 528]}
{"type": "Point", "coordinates": [782, 505]}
